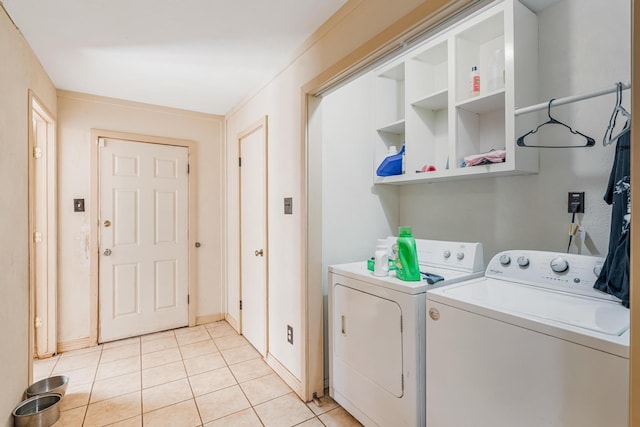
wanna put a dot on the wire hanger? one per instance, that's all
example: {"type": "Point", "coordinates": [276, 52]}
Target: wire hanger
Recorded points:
{"type": "Point", "coordinates": [617, 109]}
{"type": "Point", "coordinates": [590, 141]}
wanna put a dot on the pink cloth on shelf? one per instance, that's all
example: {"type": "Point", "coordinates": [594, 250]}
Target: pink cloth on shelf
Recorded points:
{"type": "Point", "coordinates": [493, 156]}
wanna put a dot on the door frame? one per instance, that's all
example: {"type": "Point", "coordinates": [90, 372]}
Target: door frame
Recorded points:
{"type": "Point", "coordinates": [255, 127]}
{"type": "Point", "coordinates": [51, 230]}
{"type": "Point", "coordinates": [94, 201]}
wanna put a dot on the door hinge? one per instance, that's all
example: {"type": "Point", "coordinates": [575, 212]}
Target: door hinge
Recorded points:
{"type": "Point", "coordinates": [188, 298]}
{"type": "Point", "coordinates": [239, 161]}
{"type": "Point", "coordinates": [37, 237]}
{"type": "Point", "coordinates": [240, 304]}
{"type": "Point", "coordinates": [188, 168]}
{"type": "Point", "coordinates": [37, 152]}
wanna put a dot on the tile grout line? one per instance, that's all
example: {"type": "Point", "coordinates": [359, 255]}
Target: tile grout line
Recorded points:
{"type": "Point", "coordinates": [195, 402]}
{"type": "Point", "coordinates": [86, 411]}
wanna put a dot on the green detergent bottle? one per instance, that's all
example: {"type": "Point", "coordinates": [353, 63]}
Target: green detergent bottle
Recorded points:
{"type": "Point", "coordinates": [407, 260]}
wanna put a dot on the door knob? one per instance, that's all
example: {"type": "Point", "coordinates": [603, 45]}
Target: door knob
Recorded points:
{"type": "Point", "coordinates": [106, 252]}
{"type": "Point", "coordinates": [259, 253]}
{"type": "Point", "coordinates": [107, 223]}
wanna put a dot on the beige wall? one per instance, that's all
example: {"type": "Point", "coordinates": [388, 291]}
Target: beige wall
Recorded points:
{"type": "Point", "coordinates": [281, 101]}
{"type": "Point", "coordinates": [20, 71]}
{"type": "Point", "coordinates": [77, 115]}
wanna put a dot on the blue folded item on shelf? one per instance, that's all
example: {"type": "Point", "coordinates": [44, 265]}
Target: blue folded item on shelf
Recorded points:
{"type": "Point", "coordinates": [391, 165]}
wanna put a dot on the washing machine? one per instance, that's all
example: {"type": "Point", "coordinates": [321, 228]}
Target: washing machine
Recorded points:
{"type": "Point", "coordinates": [377, 333]}
{"type": "Point", "coordinates": [529, 344]}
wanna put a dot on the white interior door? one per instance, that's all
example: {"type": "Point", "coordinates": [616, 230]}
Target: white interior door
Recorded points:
{"type": "Point", "coordinates": [43, 228]}
{"type": "Point", "coordinates": [144, 277]}
{"type": "Point", "coordinates": [253, 226]}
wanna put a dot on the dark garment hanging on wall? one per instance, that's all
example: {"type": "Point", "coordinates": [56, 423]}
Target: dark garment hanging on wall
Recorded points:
{"type": "Point", "coordinates": [614, 278]}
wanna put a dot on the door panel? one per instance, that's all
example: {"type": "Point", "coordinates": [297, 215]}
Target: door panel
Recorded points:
{"type": "Point", "coordinates": [143, 238]}
{"type": "Point", "coordinates": [368, 338]}
{"type": "Point", "coordinates": [253, 251]}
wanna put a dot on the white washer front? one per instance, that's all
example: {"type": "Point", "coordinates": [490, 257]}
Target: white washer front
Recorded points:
{"type": "Point", "coordinates": [375, 371]}
{"type": "Point", "coordinates": [509, 353]}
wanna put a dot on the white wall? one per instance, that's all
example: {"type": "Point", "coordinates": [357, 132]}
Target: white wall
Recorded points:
{"type": "Point", "coordinates": [584, 46]}
{"type": "Point", "coordinates": [282, 101]}
{"type": "Point", "coordinates": [354, 212]}
{"type": "Point", "coordinates": [78, 114]}
{"type": "Point", "coordinates": [20, 71]}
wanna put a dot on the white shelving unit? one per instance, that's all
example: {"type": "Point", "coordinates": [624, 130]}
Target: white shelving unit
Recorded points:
{"type": "Point", "coordinates": [423, 98]}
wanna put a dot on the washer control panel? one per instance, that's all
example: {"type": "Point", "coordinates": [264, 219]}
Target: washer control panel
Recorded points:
{"type": "Point", "coordinates": [565, 272]}
{"type": "Point", "coordinates": [460, 256]}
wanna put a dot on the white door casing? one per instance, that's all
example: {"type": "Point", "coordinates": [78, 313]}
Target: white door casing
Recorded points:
{"type": "Point", "coordinates": [253, 236]}
{"type": "Point", "coordinates": [143, 249]}
{"type": "Point", "coordinates": [42, 212]}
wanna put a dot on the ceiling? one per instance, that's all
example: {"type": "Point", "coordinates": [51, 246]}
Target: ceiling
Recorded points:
{"type": "Point", "coordinates": [200, 55]}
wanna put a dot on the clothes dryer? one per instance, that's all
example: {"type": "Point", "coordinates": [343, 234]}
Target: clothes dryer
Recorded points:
{"type": "Point", "coordinates": [377, 333]}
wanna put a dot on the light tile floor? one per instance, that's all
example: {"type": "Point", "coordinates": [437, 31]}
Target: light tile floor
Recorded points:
{"type": "Point", "coordinates": [203, 376]}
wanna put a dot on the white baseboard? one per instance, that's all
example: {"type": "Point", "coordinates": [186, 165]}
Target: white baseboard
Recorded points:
{"type": "Point", "coordinates": [74, 344]}
{"type": "Point", "coordinates": [209, 318]}
{"type": "Point", "coordinates": [286, 376]}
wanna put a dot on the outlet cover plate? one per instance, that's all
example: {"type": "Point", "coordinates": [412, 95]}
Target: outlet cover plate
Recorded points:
{"type": "Point", "coordinates": [576, 197]}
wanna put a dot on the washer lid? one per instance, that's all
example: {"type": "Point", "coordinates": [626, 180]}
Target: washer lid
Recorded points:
{"type": "Point", "coordinates": [596, 315]}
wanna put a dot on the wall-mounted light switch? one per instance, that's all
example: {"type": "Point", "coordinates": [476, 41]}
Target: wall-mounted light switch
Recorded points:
{"type": "Point", "coordinates": [288, 205]}
{"type": "Point", "coordinates": [78, 205]}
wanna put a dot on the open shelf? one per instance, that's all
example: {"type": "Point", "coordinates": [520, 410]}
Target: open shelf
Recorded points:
{"type": "Point", "coordinates": [423, 101]}
{"type": "Point", "coordinates": [435, 101]}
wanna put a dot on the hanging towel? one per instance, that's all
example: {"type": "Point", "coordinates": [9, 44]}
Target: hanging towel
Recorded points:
{"type": "Point", "coordinates": [614, 278]}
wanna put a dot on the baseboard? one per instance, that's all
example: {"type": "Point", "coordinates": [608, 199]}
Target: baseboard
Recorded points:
{"type": "Point", "coordinates": [233, 322]}
{"type": "Point", "coordinates": [209, 318]}
{"type": "Point", "coordinates": [286, 376]}
{"type": "Point", "coordinates": [74, 344]}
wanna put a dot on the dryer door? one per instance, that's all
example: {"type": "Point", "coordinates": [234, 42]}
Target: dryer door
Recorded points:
{"type": "Point", "coordinates": [368, 337]}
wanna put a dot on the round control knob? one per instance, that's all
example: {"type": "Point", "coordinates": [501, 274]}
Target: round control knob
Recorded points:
{"type": "Point", "coordinates": [597, 270]}
{"type": "Point", "coordinates": [460, 256]}
{"type": "Point", "coordinates": [523, 261]}
{"type": "Point", "coordinates": [559, 265]}
{"type": "Point", "coordinates": [446, 254]}
{"type": "Point", "coordinates": [576, 280]}
{"type": "Point", "coordinates": [505, 260]}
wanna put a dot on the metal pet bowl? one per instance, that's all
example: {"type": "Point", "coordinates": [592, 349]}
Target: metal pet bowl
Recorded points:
{"type": "Point", "coordinates": [57, 384]}
{"type": "Point", "coordinates": [42, 410]}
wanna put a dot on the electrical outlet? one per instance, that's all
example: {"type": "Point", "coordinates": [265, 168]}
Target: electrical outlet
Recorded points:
{"type": "Point", "coordinates": [288, 205]}
{"type": "Point", "coordinates": [575, 197]}
{"type": "Point", "coordinates": [290, 334]}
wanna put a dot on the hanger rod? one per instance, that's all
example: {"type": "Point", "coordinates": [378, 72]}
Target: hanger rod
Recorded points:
{"type": "Point", "coordinates": [568, 100]}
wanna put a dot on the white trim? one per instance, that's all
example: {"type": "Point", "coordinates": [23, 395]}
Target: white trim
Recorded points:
{"type": "Point", "coordinates": [78, 344]}
{"type": "Point", "coordinates": [209, 318]}
{"type": "Point", "coordinates": [50, 283]}
{"type": "Point", "coordinates": [284, 373]}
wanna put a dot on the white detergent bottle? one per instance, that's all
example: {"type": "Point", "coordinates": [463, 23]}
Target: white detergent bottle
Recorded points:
{"type": "Point", "coordinates": [381, 259]}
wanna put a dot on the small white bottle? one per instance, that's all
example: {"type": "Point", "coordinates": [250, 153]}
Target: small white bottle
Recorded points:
{"type": "Point", "coordinates": [381, 258]}
{"type": "Point", "coordinates": [474, 82]}
{"type": "Point", "coordinates": [496, 80]}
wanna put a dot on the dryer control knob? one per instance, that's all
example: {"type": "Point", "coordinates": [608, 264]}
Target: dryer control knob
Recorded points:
{"type": "Point", "coordinates": [559, 265]}
{"type": "Point", "coordinates": [460, 255]}
{"type": "Point", "coordinates": [523, 261]}
{"type": "Point", "coordinates": [505, 260]}
{"type": "Point", "coordinates": [446, 254]}
{"type": "Point", "coordinates": [597, 270]}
